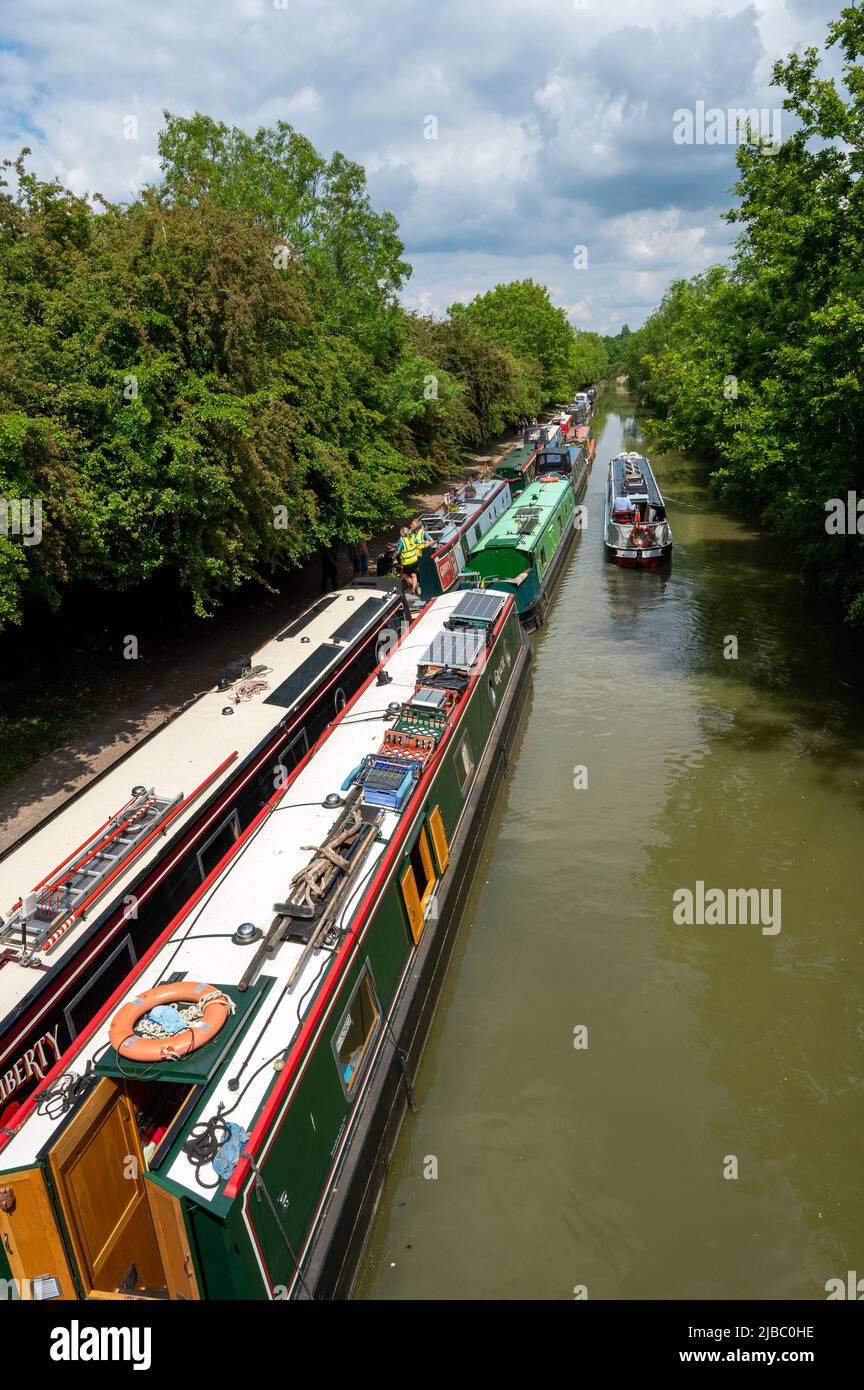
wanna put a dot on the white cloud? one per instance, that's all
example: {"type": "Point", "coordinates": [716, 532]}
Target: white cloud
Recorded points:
{"type": "Point", "coordinates": [554, 122]}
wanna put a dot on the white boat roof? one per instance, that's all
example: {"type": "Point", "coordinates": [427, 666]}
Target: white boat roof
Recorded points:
{"type": "Point", "coordinates": [175, 759]}
{"type": "Point", "coordinates": [246, 889]}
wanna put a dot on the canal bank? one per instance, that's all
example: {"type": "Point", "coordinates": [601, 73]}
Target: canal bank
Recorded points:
{"type": "Point", "coordinates": [535, 1166]}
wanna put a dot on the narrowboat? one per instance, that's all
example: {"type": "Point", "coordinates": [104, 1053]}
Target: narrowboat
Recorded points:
{"type": "Point", "coordinates": [454, 527]}
{"type": "Point", "coordinates": [87, 891]}
{"type": "Point", "coordinates": [222, 1128]}
{"type": "Point", "coordinates": [524, 553]}
{"type": "Point", "coordinates": [572, 461]}
{"type": "Point", "coordinates": [637, 534]}
{"type": "Point", "coordinates": [517, 465]}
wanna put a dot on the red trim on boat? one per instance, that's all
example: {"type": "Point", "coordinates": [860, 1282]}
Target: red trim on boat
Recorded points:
{"type": "Point", "coordinates": [62, 1064]}
{"type": "Point", "coordinates": [333, 976]}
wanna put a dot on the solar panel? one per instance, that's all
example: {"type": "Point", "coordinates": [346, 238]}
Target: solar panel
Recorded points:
{"type": "Point", "coordinates": [480, 607]}
{"type": "Point", "coordinates": [360, 618]}
{"type": "Point", "coordinates": [425, 698]}
{"type": "Point", "coordinates": [308, 617]}
{"type": "Point", "coordinates": [306, 675]}
{"type": "Point", "coordinates": [458, 650]}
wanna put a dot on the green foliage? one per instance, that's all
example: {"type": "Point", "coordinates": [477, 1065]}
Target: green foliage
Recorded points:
{"type": "Point", "coordinates": [589, 358]}
{"type": "Point", "coordinates": [211, 382]}
{"type": "Point", "coordinates": [761, 367]}
{"type": "Point", "coordinates": [522, 317]}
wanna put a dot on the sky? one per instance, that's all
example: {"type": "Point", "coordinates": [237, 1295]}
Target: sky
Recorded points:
{"type": "Point", "coordinates": [510, 138]}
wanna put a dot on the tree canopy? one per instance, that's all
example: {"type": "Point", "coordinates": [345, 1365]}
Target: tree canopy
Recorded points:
{"type": "Point", "coordinates": [209, 383]}
{"type": "Point", "coordinates": [760, 367]}
{"type": "Point", "coordinates": [522, 317]}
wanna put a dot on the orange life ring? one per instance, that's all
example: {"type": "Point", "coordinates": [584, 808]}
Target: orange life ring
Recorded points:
{"type": "Point", "coordinates": [639, 536]}
{"type": "Point", "coordinates": [549, 478]}
{"type": "Point", "coordinates": [127, 1043]}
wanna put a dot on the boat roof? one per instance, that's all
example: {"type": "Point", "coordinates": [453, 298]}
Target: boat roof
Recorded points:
{"type": "Point", "coordinates": [446, 523]}
{"type": "Point", "coordinates": [632, 477]}
{"type": "Point", "coordinates": [525, 519]}
{"type": "Point", "coordinates": [517, 458]}
{"type": "Point", "coordinates": [245, 888]}
{"type": "Point", "coordinates": [178, 757]}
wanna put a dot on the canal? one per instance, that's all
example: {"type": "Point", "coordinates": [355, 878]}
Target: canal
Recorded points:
{"type": "Point", "coordinates": [598, 1073]}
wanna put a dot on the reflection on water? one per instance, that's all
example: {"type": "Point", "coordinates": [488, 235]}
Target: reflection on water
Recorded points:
{"type": "Point", "coordinates": [604, 1166]}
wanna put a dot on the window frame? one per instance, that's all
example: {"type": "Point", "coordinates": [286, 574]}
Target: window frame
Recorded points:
{"type": "Point", "coordinates": [221, 827]}
{"type": "Point", "coordinates": [464, 781]}
{"type": "Point", "coordinates": [350, 1090]}
{"type": "Point", "coordinates": [415, 906]}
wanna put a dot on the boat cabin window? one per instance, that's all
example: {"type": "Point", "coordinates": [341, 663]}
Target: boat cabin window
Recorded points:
{"type": "Point", "coordinates": [464, 763]}
{"type": "Point", "coordinates": [218, 844]}
{"type": "Point", "coordinates": [356, 1032]}
{"type": "Point", "coordinates": [417, 884]}
{"type": "Point", "coordinates": [99, 986]}
{"type": "Point", "coordinates": [290, 757]}
{"type": "Point", "coordinates": [421, 863]}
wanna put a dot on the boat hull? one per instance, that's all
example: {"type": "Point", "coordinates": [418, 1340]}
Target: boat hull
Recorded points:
{"type": "Point", "coordinates": [336, 1255]}
{"type": "Point", "coordinates": [631, 557]}
{"type": "Point", "coordinates": [534, 614]}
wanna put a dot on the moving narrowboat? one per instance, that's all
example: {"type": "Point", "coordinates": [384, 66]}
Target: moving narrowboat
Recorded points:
{"type": "Point", "coordinates": [456, 526]}
{"type": "Point", "coordinates": [637, 533]}
{"type": "Point", "coordinates": [222, 1128]}
{"type": "Point", "coordinates": [89, 889]}
{"type": "Point", "coordinates": [524, 553]}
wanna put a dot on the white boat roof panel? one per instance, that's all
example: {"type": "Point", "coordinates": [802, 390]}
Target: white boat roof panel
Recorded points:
{"type": "Point", "coordinates": [246, 889]}
{"type": "Point", "coordinates": [177, 758]}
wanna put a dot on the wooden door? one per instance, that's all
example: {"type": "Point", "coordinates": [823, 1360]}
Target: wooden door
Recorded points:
{"type": "Point", "coordinates": [98, 1170]}
{"type": "Point", "coordinates": [173, 1240]}
{"type": "Point", "coordinates": [30, 1236]}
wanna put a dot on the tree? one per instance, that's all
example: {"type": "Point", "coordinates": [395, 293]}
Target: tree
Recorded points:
{"type": "Point", "coordinates": [522, 316]}
{"type": "Point", "coordinates": [316, 210]}
{"type": "Point", "coordinates": [761, 367]}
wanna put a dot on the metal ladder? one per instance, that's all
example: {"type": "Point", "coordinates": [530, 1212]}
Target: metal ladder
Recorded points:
{"type": "Point", "coordinates": [79, 875]}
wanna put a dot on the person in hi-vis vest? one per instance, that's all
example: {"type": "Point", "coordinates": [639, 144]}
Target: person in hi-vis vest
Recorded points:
{"type": "Point", "coordinates": [411, 545]}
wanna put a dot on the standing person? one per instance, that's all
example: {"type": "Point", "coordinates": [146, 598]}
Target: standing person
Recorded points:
{"type": "Point", "coordinates": [419, 533]}
{"type": "Point", "coordinates": [361, 558]}
{"type": "Point", "coordinates": [408, 551]}
{"type": "Point", "coordinates": [329, 567]}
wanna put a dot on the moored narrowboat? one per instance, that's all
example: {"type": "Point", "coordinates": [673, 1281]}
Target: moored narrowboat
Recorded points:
{"type": "Point", "coordinates": [454, 527]}
{"type": "Point", "coordinates": [637, 534]}
{"type": "Point", "coordinates": [525, 552]}
{"type": "Point", "coordinates": [571, 461]}
{"type": "Point", "coordinates": [235, 1104]}
{"type": "Point", "coordinates": [87, 891]}
{"type": "Point", "coordinates": [518, 464]}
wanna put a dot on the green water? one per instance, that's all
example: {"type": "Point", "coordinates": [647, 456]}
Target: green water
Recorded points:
{"type": "Point", "coordinates": [604, 1166]}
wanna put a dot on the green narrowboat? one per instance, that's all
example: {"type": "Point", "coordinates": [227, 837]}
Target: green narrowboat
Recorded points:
{"type": "Point", "coordinates": [524, 553]}
{"type": "Point", "coordinates": [222, 1128]}
{"type": "Point", "coordinates": [517, 465]}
